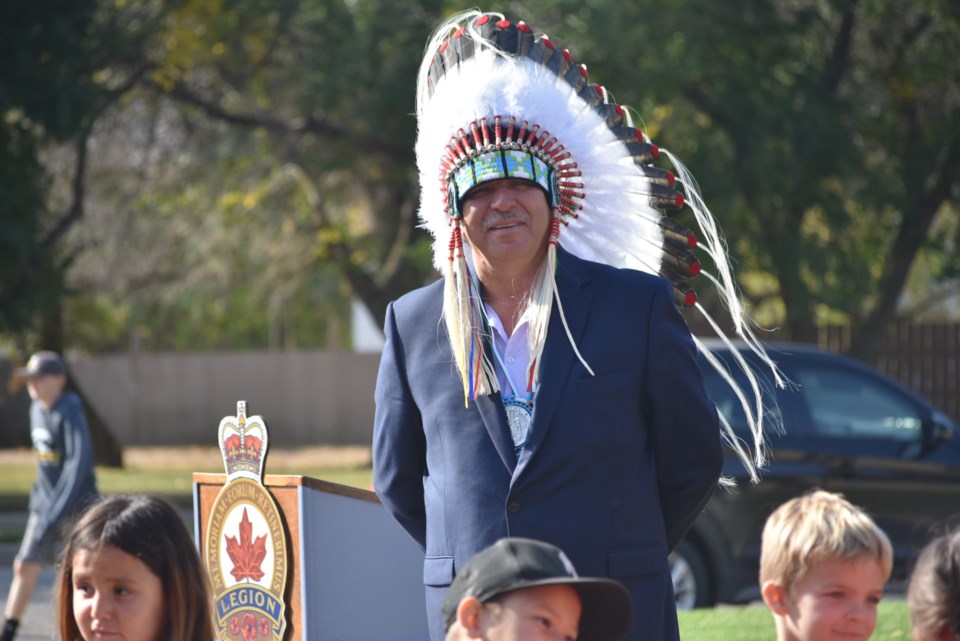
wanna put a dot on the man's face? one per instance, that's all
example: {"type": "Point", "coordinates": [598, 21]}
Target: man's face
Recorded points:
{"type": "Point", "coordinates": [836, 600]}
{"type": "Point", "coordinates": [544, 613]}
{"type": "Point", "coordinates": [507, 223]}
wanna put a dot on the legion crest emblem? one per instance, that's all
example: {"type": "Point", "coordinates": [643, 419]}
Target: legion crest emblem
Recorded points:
{"type": "Point", "coordinates": [246, 545]}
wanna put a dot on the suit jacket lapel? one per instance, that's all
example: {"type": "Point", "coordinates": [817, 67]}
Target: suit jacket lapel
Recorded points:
{"type": "Point", "coordinates": [559, 359]}
{"type": "Point", "coordinates": [495, 419]}
{"type": "Point", "coordinates": [489, 407]}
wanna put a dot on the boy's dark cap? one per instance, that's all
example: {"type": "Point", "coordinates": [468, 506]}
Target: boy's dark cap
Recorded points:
{"type": "Point", "coordinates": [43, 364]}
{"type": "Point", "coordinates": [516, 563]}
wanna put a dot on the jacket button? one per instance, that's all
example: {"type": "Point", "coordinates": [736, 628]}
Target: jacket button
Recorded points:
{"type": "Point", "coordinates": [513, 507]}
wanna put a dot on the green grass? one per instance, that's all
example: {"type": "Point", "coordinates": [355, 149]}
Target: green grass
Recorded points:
{"type": "Point", "coordinates": [168, 472]}
{"type": "Point", "coordinates": [755, 623]}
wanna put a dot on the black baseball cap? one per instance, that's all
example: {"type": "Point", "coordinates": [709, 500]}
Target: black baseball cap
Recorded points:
{"type": "Point", "coordinates": [516, 563]}
{"type": "Point", "coordinates": [43, 364]}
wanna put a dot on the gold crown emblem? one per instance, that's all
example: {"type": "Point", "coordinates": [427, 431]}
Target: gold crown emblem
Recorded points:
{"type": "Point", "coordinates": [243, 443]}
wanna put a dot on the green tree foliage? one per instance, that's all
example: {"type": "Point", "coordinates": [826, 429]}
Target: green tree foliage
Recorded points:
{"type": "Point", "coordinates": [257, 169]}
{"type": "Point", "coordinates": [279, 177]}
{"type": "Point", "coordinates": [64, 62]}
{"type": "Point", "coordinates": [54, 84]}
{"type": "Point", "coordinates": [825, 134]}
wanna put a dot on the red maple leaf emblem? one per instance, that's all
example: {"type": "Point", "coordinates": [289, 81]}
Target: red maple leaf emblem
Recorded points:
{"type": "Point", "coordinates": [247, 555]}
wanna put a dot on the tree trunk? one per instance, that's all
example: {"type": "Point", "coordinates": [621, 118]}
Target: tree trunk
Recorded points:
{"type": "Point", "coordinates": [106, 451]}
{"type": "Point", "coordinates": [915, 225]}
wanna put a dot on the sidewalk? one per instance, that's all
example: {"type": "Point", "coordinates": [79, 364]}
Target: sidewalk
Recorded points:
{"type": "Point", "coordinates": [39, 622]}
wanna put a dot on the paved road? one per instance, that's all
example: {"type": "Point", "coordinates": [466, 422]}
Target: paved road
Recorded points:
{"type": "Point", "coordinates": [39, 622]}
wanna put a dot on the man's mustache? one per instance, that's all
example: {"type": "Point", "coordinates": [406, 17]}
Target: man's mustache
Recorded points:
{"type": "Point", "coordinates": [498, 217]}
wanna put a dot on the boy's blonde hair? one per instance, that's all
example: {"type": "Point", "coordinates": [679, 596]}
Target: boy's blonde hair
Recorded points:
{"type": "Point", "coordinates": [814, 528]}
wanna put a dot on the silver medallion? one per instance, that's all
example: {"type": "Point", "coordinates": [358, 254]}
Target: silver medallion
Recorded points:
{"type": "Point", "coordinates": [519, 415]}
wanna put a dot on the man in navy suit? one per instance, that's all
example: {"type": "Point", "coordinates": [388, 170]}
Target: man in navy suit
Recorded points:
{"type": "Point", "coordinates": [531, 392]}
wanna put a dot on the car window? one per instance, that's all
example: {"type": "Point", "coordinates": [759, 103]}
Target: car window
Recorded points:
{"type": "Point", "coordinates": [850, 403]}
{"type": "Point", "coordinates": [726, 399]}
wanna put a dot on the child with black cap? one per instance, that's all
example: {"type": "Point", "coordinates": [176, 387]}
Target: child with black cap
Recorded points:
{"type": "Point", "coordinates": [65, 477]}
{"type": "Point", "coordinates": [526, 590]}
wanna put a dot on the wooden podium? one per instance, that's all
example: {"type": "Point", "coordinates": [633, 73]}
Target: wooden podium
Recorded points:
{"type": "Point", "coordinates": [352, 573]}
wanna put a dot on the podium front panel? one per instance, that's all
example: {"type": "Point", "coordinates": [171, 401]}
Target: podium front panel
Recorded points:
{"type": "Point", "coordinates": [354, 574]}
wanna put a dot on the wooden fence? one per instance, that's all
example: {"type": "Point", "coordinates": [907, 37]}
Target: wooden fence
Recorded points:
{"type": "Point", "coordinates": [327, 397]}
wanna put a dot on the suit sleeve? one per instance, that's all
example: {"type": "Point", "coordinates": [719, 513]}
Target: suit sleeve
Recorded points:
{"type": "Point", "coordinates": [399, 449]}
{"type": "Point", "coordinates": [685, 428]}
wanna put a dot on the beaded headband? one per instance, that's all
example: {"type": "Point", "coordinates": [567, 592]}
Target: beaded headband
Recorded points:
{"type": "Point", "coordinates": [497, 100]}
{"type": "Point", "coordinates": [495, 160]}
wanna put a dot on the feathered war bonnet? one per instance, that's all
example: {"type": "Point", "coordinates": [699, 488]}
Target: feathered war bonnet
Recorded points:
{"type": "Point", "coordinates": [497, 100]}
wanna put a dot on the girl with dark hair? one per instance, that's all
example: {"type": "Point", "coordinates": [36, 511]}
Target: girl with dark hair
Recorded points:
{"type": "Point", "coordinates": [130, 568]}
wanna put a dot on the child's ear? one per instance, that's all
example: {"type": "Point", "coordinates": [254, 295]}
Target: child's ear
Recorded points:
{"type": "Point", "coordinates": [775, 597]}
{"type": "Point", "coordinates": [468, 616]}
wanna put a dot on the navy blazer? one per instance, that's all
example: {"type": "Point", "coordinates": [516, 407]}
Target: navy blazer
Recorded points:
{"type": "Point", "coordinates": [615, 468]}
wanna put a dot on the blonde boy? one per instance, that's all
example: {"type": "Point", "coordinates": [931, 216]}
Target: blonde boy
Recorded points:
{"type": "Point", "coordinates": [823, 566]}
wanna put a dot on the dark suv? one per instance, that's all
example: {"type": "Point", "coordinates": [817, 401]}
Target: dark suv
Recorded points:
{"type": "Point", "coordinates": [847, 429]}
